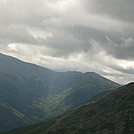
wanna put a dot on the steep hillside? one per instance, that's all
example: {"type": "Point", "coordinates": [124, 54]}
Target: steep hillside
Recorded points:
{"type": "Point", "coordinates": [112, 114]}
{"type": "Point", "coordinates": [30, 93]}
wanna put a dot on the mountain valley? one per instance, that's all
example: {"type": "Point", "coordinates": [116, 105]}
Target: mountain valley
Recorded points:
{"type": "Point", "coordinates": [31, 94]}
{"type": "Point", "coordinates": [112, 114]}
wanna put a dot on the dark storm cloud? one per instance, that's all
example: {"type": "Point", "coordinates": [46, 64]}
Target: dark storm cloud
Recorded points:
{"type": "Point", "coordinates": [18, 16]}
{"type": "Point", "coordinates": [119, 9]}
{"type": "Point", "coordinates": [90, 32]}
{"type": "Point", "coordinates": [123, 50]}
{"type": "Point", "coordinates": [62, 45]}
{"type": "Point", "coordinates": [129, 70]}
{"type": "Point", "coordinates": [15, 34]}
{"type": "Point", "coordinates": [112, 43]}
{"type": "Point", "coordinates": [120, 45]}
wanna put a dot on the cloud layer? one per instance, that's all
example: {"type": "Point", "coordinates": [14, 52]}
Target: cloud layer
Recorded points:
{"type": "Point", "coordinates": [89, 35]}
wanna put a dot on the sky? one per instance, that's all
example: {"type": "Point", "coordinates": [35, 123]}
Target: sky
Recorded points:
{"type": "Point", "coordinates": [71, 35]}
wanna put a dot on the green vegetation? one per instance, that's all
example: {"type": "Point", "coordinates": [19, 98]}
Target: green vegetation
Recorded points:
{"type": "Point", "coordinates": [112, 114]}
{"type": "Point", "coordinates": [30, 94]}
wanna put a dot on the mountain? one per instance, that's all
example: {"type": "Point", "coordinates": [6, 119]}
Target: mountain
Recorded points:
{"type": "Point", "coordinates": [31, 94]}
{"type": "Point", "coordinates": [112, 114]}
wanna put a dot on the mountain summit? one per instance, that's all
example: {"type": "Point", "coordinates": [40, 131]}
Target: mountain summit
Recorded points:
{"type": "Point", "coordinates": [31, 94]}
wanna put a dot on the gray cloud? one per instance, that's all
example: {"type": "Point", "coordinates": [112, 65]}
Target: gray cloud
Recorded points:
{"type": "Point", "coordinates": [118, 9]}
{"type": "Point", "coordinates": [29, 13]}
{"type": "Point", "coordinates": [12, 34]}
{"type": "Point", "coordinates": [115, 44]}
{"type": "Point", "coordinates": [123, 50]}
{"type": "Point", "coordinates": [90, 35]}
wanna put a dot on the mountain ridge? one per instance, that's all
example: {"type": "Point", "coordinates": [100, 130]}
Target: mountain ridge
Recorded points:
{"type": "Point", "coordinates": [112, 114]}
{"type": "Point", "coordinates": [41, 94]}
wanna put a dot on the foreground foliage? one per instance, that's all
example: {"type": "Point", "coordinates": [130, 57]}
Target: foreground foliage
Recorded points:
{"type": "Point", "coordinates": [113, 114]}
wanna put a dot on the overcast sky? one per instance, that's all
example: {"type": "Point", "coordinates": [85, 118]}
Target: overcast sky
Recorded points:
{"type": "Point", "coordinates": [81, 35]}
